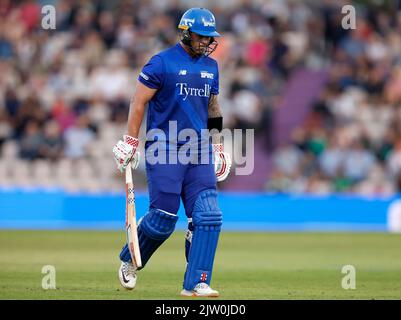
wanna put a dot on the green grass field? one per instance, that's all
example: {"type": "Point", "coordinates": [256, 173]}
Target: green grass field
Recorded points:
{"type": "Point", "coordinates": [247, 266]}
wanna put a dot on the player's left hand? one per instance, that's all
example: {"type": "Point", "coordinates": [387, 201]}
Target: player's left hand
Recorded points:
{"type": "Point", "coordinates": [222, 162]}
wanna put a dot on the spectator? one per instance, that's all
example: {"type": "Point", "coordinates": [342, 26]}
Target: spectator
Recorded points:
{"type": "Point", "coordinates": [31, 141]}
{"type": "Point", "coordinates": [78, 138]}
{"type": "Point", "coordinates": [357, 162]}
{"type": "Point", "coordinates": [52, 144]}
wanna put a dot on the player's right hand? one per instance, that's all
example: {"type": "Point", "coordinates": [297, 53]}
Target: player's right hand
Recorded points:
{"type": "Point", "coordinates": [125, 153]}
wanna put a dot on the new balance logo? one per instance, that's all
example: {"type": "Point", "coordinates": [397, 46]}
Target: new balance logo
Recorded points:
{"type": "Point", "coordinates": [182, 73]}
{"type": "Point", "coordinates": [205, 74]}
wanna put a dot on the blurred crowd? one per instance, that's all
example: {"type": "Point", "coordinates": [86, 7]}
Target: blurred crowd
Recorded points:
{"type": "Point", "coordinates": [64, 93]}
{"type": "Point", "coordinates": [351, 140]}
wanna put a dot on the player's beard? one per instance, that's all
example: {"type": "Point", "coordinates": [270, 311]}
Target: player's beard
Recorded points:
{"type": "Point", "coordinates": [201, 49]}
{"type": "Point", "coordinates": [204, 50]}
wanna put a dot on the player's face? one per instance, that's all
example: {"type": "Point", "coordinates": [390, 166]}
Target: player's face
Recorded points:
{"type": "Point", "coordinates": [200, 43]}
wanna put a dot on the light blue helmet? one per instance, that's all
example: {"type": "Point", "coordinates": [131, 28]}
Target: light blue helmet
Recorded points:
{"type": "Point", "coordinates": [200, 21]}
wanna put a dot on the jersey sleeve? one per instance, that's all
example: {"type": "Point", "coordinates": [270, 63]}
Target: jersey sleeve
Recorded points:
{"type": "Point", "coordinates": [215, 86]}
{"type": "Point", "coordinates": [152, 73]}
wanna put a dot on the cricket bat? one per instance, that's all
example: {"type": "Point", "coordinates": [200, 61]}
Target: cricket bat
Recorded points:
{"type": "Point", "coordinates": [130, 219]}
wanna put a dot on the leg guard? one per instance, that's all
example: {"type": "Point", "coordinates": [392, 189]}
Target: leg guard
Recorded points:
{"type": "Point", "coordinates": [207, 220]}
{"type": "Point", "coordinates": [154, 228]}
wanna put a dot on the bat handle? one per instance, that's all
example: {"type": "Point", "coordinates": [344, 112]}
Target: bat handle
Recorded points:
{"type": "Point", "coordinates": [128, 174]}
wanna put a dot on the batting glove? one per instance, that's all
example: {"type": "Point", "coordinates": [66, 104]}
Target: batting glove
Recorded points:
{"type": "Point", "coordinates": [222, 162]}
{"type": "Point", "coordinates": [125, 153]}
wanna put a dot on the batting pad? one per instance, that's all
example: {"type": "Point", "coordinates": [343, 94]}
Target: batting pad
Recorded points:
{"type": "Point", "coordinates": [155, 227]}
{"type": "Point", "coordinates": [207, 220]}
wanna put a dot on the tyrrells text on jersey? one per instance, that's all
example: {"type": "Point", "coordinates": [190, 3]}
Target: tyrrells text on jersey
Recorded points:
{"type": "Point", "coordinates": [186, 91]}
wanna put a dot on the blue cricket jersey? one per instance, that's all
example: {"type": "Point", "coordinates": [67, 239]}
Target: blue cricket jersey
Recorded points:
{"type": "Point", "coordinates": [184, 87]}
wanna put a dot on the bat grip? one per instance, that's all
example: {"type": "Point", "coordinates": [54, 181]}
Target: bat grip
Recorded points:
{"type": "Point", "coordinates": [128, 174]}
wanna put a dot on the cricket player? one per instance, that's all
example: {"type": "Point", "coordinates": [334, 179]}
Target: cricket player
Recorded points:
{"type": "Point", "coordinates": [180, 86]}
